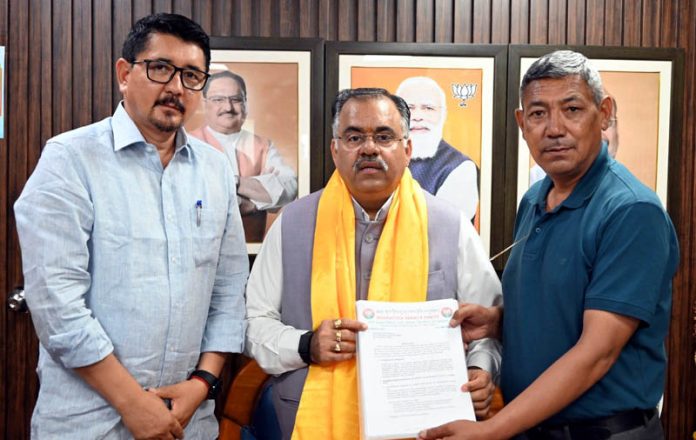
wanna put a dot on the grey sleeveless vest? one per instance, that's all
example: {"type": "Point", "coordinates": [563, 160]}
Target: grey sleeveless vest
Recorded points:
{"type": "Point", "coordinates": [298, 223]}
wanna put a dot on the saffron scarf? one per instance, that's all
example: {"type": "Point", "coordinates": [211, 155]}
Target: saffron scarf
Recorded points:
{"type": "Point", "coordinates": [329, 403]}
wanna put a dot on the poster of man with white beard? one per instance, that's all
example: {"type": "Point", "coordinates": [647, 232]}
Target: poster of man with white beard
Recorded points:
{"type": "Point", "coordinates": [441, 169]}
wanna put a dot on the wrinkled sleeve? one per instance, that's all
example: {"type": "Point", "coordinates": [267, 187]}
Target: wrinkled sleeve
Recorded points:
{"type": "Point", "coordinates": [225, 327]}
{"type": "Point", "coordinates": [278, 179]}
{"type": "Point", "coordinates": [479, 284]}
{"type": "Point", "coordinates": [460, 188]}
{"type": "Point", "coordinates": [273, 344]}
{"type": "Point", "coordinates": [54, 216]}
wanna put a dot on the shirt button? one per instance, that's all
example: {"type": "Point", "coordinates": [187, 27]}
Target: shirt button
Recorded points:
{"type": "Point", "coordinates": [170, 217]}
{"type": "Point", "coordinates": [369, 238]}
{"type": "Point", "coordinates": [173, 260]}
{"type": "Point", "coordinates": [538, 230]}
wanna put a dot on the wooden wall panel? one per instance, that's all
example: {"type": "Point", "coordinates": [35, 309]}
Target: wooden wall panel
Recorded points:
{"type": "Point", "coordinates": [202, 14]}
{"type": "Point", "coordinates": [650, 23]}
{"type": "Point", "coordinates": [82, 65]}
{"type": "Point", "coordinates": [463, 21]}
{"type": "Point", "coordinates": [289, 19]}
{"type": "Point", "coordinates": [500, 22]}
{"type": "Point", "coordinates": [405, 20]}
{"type": "Point", "coordinates": [557, 22]}
{"type": "Point", "coordinates": [538, 22]}
{"type": "Point", "coordinates": [519, 21]}
{"type": "Point", "coordinates": [346, 20]}
{"type": "Point", "coordinates": [366, 20]}
{"type": "Point", "coordinates": [425, 21]}
{"type": "Point", "coordinates": [613, 21]}
{"type": "Point", "coordinates": [482, 22]}
{"type": "Point", "coordinates": [60, 74]}
{"type": "Point", "coordinates": [575, 33]}
{"type": "Point", "coordinates": [632, 21]}
{"type": "Point", "coordinates": [103, 59]}
{"type": "Point", "coordinates": [386, 20]}
{"type": "Point", "coordinates": [670, 21]}
{"type": "Point", "coordinates": [444, 21]}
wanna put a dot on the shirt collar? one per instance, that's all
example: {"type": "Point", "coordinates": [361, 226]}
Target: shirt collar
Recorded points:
{"type": "Point", "coordinates": [361, 214]}
{"type": "Point", "coordinates": [585, 187]}
{"type": "Point", "coordinates": [126, 133]}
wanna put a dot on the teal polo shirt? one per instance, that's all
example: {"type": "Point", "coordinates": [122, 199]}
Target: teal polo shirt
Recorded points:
{"type": "Point", "coordinates": [609, 246]}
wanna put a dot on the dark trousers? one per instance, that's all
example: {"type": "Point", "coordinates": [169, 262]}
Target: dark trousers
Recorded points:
{"type": "Point", "coordinates": [631, 425]}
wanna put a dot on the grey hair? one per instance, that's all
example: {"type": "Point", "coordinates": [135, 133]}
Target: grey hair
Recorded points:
{"type": "Point", "coordinates": [369, 93]}
{"type": "Point", "coordinates": [563, 63]}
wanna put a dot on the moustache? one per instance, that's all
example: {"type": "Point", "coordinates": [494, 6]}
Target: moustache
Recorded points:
{"type": "Point", "coordinates": [232, 112]}
{"type": "Point", "coordinates": [173, 101]}
{"type": "Point", "coordinates": [374, 159]}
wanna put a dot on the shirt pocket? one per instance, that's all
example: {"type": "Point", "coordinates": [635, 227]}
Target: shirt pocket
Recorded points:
{"type": "Point", "coordinates": [208, 225]}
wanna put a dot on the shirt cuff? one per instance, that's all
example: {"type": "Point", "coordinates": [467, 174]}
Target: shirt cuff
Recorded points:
{"type": "Point", "coordinates": [81, 347]}
{"type": "Point", "coordinates": [224, 336]}
{"type": "Point", "coordinates": [288, 343]}
{"type": "Point", "coordinates": [274, 189]}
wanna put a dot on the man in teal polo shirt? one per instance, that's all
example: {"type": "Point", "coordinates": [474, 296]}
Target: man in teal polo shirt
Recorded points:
{"type": "Point", "coordinates": [587, 289]}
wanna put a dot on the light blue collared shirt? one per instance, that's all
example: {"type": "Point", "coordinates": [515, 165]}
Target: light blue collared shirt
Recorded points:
{"type": "Point", "coordinates": [119, 258]}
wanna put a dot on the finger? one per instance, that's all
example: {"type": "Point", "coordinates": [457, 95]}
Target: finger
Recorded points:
{"type": "Point", "coordinates": [177, 431]}
{"type": "Point", "coordinates": [345, 336]}
{"type": "Point", "coordinates": [349, 324]}
{"type": "Point", "coordinates": [341, 347]}
{"type": "Point", "coordinates": [482, 403]}
{"type": "Point", "coordinates": [434, 433]}
{"type": "Point", "coordinates": [464, 311]}
{"type": "Point", "coordinates": [473, 385]}
{"type": "Point", "coordinates": [485, 393]}
{"type": "Point", "coordinates": [482, 414]}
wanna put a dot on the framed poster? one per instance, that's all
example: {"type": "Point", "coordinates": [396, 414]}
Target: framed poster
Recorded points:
{"type": "Point", "coordinates": [2, 92]}
{"type": "Point", "coordinates": [260, 108]}
{"type": "Point", "coordinates": [456, 95]}
{"type": "Point", "coordinates": [645, 130]}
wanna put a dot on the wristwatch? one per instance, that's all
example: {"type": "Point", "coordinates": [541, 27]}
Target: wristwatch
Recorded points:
{"type": "Point", "coordinates": [304, 347]}
{"type": "Point", "coordinates": [210, 379]}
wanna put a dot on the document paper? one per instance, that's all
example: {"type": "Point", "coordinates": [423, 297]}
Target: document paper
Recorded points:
{"type": "Point", "coordinates": [411, 367]}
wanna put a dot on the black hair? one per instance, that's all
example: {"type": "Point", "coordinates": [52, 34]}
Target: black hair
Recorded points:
{"type": "Point", "coordinates": [370, 93]}
{"type": "Point", "coordinates": [162, 23]}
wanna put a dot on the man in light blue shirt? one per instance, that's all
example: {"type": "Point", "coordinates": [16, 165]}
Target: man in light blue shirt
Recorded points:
{"type": "Point", "coordinates": [134, 256]}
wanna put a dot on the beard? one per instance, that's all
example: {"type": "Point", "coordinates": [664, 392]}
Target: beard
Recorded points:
{"type": "Point", "coordinates": [168, 123]}
{"type": "Point", "coordinates": [425, 143]}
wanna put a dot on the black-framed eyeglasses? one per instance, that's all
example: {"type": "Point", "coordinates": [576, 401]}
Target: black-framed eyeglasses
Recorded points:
{"type": "Point", "coordinates": [353, 141]}
{"type": "Point", "coordinates": [162, 72]}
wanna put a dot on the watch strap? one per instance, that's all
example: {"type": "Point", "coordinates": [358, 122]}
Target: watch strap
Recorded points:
{"type": "Point", "coordinates": [209, 378]}
{"type": "Point", "coordinates": [304, 347]}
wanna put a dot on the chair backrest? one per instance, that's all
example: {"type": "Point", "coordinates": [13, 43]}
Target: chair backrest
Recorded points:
{"type": "Point", "coordinates": [241, 400]}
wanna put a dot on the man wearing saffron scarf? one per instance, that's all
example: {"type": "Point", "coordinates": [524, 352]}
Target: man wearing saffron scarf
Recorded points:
{"type": "Point", "coordinates": [372, 233]}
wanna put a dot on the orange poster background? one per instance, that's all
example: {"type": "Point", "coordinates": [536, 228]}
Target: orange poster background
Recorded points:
{"type": "Point", "coordinates": [463, 125]}
{"type": "Point", "coordinates": [637, 97]}
{"type": "Point", "coordinates": [273, 109]}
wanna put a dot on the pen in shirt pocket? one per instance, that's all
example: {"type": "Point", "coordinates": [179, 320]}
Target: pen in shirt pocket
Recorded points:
{"type": "Point", "coordinates": [199, 208]}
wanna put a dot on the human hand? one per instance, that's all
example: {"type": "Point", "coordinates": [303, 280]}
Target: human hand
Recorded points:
{"type": "Point", "coordinates": [458, 430]}
{"type": "Point", "coordinates": [477, 322]}
{"type": "Point", "coordinates": [185, 396]}
{"type": "Point", "coordinates": [481, 388]}
{"type": "Point", "coordinates": [246, 206]}
{"type": "Point", "coordinates": [147, 417]}
{"type": "Point", "coordinates": [334, 340]}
